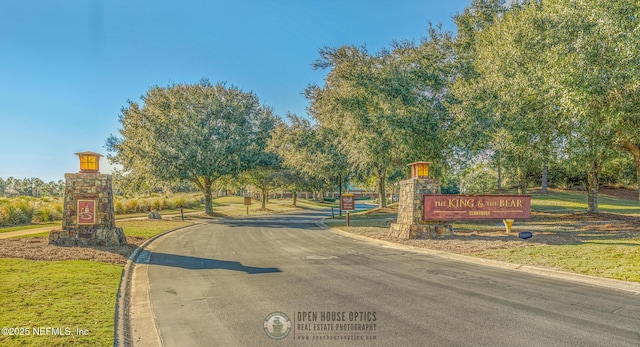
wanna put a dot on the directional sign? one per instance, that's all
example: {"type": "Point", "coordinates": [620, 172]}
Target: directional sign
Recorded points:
{"type": "Point", "coordinates": [347, 202]}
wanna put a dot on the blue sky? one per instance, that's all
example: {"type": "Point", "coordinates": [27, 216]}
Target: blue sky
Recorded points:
{"type": "Point", "coordinates": [67, 67]}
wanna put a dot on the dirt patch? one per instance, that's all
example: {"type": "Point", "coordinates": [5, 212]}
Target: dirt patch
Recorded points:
{"type": "Point", "coordinates": [38, 248]}
{"type": "Point", "coordinates": [620, 193]}
{"type": "Point", "coordinates": [263, 210]}
{"type": "Point", "coordinates": [379, 210]}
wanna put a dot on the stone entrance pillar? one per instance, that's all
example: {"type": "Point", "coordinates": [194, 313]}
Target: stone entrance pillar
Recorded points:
{"type": "Point", "coordinates": [410, 223]}
{"type": "Point", "coordinates": [88, 216]}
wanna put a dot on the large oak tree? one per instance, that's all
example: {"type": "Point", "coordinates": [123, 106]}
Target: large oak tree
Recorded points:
{"type": "Point", "coordinates": [197, 132]}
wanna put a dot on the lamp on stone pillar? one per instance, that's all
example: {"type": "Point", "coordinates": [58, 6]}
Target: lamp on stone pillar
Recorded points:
{"type": "Point", "coordinates": [420, 169]}
{"type": "Point", "coordinates": [89, 162]}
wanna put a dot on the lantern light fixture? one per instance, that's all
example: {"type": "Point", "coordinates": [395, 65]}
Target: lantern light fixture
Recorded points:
{"type": "Point", "coordinates": [89, 162]}
{"type": "Point", "coordinates": [420, 169]}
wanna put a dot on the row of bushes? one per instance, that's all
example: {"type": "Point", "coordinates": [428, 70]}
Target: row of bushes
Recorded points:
{"type": "Point", "coordinates": [27, 210]}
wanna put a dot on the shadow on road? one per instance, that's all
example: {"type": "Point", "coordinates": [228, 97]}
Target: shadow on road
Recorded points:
{"type": "Point", "coordinates": [195, 263]}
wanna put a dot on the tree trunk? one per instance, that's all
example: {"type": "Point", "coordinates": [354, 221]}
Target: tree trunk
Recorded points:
{"type": "Point", "coordinates": [522, 182]}
{"type": "Point", "coordinates": [593, 178]}
{"type": "Point", "coordinates": [634, 149]}
{"type": "Point", "coordinates": [204, 185]}
{"type": "Point", "coordinates": [499, 177]}
{"type": "Point", "coordinates": [545, 177]}
{"type": "Point", "coordinates": [638, 177]}
{"type": "Point", "coordinates": [208, 205]}
{"type": "Point", "coordinates": [340, 193]}
{"type": "Point", "coordinates": [294, 196]}
{"type": "Point", "coordinates": [381, 188]}
{"type": "Point", "coordinates": [263, 204]}
{"type": "Point", "coordinates": [637, 160]}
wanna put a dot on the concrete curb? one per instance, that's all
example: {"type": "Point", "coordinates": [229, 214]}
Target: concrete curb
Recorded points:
{"type": "Point", "coordinates": [122, 331]}
{"type": "Point", "coordinates": [630, 287]}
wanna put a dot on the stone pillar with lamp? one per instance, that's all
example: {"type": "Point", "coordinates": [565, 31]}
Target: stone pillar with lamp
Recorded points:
{"type": "Point", "coordinates": [410, 223]}
{"type": "Point", "coordinates": [88, 217]}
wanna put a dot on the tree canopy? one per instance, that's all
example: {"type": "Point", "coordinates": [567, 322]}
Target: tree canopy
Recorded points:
{"type": "Point", "coordinates": [386, 109]}
{"type": "Point", "coordinates": [554, 78]}
{"type": "Point", "coordinates": [197, 132]}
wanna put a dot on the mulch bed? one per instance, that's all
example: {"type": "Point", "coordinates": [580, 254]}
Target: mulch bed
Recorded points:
{"type": "Point", "coordinates": [38, 248]}
{"type": "Point", "coordinates": [548, 229]}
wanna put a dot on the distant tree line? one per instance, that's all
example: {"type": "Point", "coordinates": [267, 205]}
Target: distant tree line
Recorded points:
{"type": "Point", "coordinates": [30, 187]}
{"type": "Point", "coordinates": [525, 94]}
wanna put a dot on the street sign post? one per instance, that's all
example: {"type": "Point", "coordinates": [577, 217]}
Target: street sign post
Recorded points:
{"type": "Point", "coordinates": [247, 202]}
{"type": "Point", "coordinates": [347, 203]}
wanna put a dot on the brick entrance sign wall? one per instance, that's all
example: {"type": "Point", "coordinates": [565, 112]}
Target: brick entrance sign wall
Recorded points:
{"type": "Point", "coordinates": [88, 216]}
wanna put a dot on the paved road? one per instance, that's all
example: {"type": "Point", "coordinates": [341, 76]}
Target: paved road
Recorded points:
{"type": "Point", "coordinates": [216, 284]}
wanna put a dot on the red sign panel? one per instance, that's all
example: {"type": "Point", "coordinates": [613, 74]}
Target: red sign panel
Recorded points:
{"type": "Point", "coordinates": [469, 207]}
{"type": "Point", "coordinates": [347, 202]}
{"type": "Point", "coordinates": [86, 212]}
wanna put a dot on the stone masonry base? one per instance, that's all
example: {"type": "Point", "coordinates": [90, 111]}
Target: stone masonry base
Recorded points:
{"type": "Point", "coordinates": [420, 231]}
{"type": "Point", "coordinates": [95, 237]}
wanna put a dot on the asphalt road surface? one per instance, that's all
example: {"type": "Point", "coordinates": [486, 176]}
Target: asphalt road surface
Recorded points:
{"type": "Point", "coordinates": [283, 281]}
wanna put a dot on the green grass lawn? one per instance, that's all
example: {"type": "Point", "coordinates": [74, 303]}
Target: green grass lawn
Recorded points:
{"type": "Point", "coordinates": [58, 294]}
{"type": "Point", "coordinates": [149, 228]}
{"type": "Point", "coordinates": [617, 259]}
{"type": "Point", "coordinates": [42, 234]}
{"type": "Point", "coordinates": [28, 227]}
{"type": "Point", "coordinates": [63, 295]}
{"type": "Point", "coordinates": [571, 202]}
{"type": "Point", "coordinates": [233, 206]}
{"type": "Point", "coordinates": [226, 200]}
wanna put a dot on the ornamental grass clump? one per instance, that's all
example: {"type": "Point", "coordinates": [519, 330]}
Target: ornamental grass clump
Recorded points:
{"type": "Point", "coordinates": [27, 210]}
